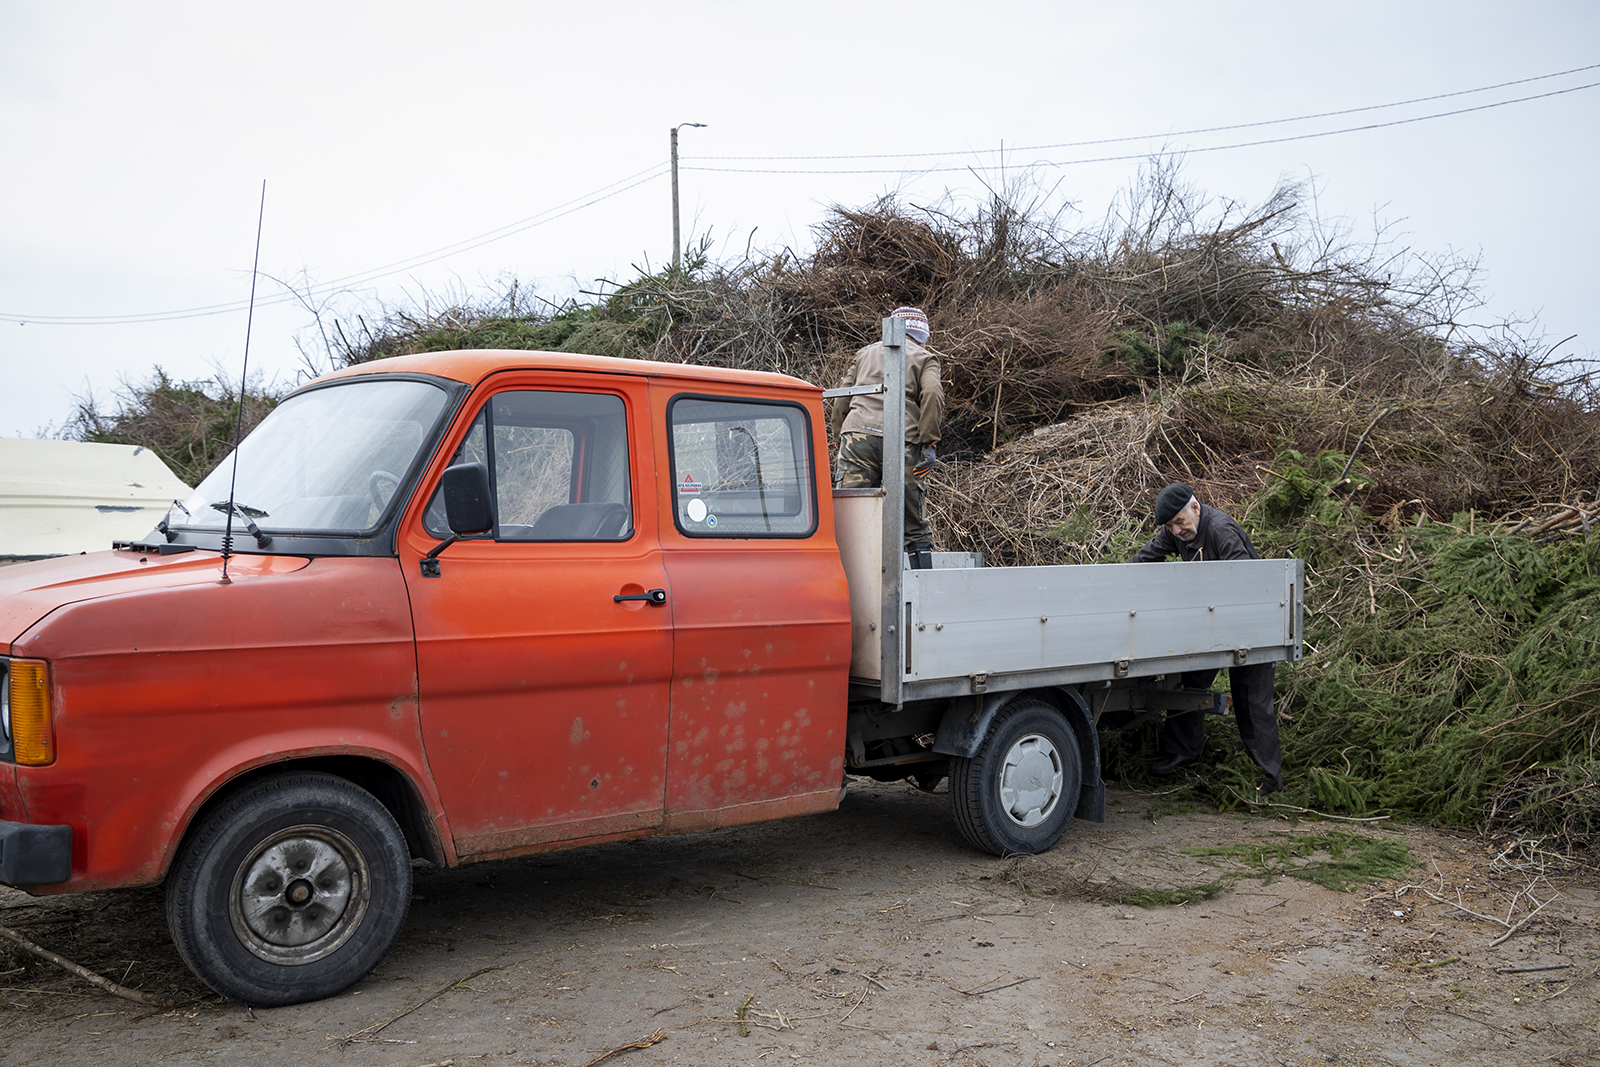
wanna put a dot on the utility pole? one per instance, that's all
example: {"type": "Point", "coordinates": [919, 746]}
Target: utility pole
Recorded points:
{"type": "Point", "coordinates": [677, 242]}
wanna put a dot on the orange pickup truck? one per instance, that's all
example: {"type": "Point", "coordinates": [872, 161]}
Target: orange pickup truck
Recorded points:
{"type": "Point", "coordinates": [473, 605]}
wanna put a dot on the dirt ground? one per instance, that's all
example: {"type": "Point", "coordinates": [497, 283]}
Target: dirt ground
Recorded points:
{"type": "Point", "coordinates": [873, 935]}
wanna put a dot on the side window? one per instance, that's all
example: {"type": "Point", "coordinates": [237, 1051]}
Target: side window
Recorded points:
{"type": "Point", "coordinates": [741, 468]}
{"type": "Point", "coordinates": [558, 467]}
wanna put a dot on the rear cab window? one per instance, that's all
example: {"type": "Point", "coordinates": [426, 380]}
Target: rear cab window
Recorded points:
{"type": "Point", "coordinates": [741, 468]}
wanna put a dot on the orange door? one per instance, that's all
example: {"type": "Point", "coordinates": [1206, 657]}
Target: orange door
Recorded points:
{"type": "Point", "coordinates": [761, 610]}
{"type": "Point", "coordinates": [543, 697]}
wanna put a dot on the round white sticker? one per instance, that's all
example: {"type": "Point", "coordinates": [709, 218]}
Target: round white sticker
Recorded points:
{"type": "Point", "coordinates": [697, 510]}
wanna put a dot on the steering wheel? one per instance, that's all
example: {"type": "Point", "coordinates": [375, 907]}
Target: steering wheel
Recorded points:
{"type": "Point", "coordinates": [372, 487]}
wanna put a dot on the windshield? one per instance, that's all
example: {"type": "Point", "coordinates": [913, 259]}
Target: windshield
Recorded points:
{"type": "Point", "coordinates": [330, 460]}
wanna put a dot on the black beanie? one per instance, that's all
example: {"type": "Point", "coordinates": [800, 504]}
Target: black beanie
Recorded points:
{"type": "Point", "coordinates": [1171, 500]}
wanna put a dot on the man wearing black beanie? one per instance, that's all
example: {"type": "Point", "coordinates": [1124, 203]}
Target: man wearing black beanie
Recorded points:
{"type": "Point", "coordinates": [1195, 531]}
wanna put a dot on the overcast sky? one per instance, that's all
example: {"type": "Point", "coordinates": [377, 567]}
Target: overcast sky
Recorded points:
{"type": "Point", "coordinates": [134, 139]}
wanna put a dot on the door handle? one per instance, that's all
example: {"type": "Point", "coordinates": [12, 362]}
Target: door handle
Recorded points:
{"type": "Point", "coordinates": [657, 597]}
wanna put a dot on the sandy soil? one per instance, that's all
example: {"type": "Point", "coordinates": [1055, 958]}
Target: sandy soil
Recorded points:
{"type": "Point", "coordinates": [872, 935]}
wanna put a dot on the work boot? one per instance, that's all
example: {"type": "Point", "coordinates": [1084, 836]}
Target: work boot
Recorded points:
{"type": "Point", "coordinates": [921, 553]}
{"type": "Point", "coordinates": [1169, 765]}
{"type": "Point", "coordinates": [1266, 787]}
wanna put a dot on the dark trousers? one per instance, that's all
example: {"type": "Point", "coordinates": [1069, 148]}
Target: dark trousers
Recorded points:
{"type": "Point", "coordinates": [861, 467]}
{"type": "Point", "coordinates": [1185, 734]}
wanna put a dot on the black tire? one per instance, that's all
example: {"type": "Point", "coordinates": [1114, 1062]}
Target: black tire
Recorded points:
{"type": "Point", "coordinates": [254, 931]}
{"type": "Point", "coordinates": [1019, 792]}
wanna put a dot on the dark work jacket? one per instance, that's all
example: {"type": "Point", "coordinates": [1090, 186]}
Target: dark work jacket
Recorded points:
{"type": "Point", "coordinates": [1217, 537]}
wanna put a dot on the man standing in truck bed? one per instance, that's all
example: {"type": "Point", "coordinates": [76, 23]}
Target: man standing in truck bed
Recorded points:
{"type": "Point", "coordinates": [1196, 531]}
{"type": "Point", "coordinates": [858, 423]}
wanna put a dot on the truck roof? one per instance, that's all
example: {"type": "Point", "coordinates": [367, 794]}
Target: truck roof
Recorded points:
{"type": "Point", "coordinates": [473, 365]}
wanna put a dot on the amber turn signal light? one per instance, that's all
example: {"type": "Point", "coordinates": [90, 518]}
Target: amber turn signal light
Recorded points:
{"type": "Point", "coordinates": [32, 733]}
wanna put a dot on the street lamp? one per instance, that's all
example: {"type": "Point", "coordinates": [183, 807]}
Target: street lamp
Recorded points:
{"type": "Point", "coordinates": [677, 243]}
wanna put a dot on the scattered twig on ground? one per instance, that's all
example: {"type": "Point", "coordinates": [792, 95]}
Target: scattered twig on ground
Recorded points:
{"type": "Point", "coordinates": [995, 989]}
{"type": "Point", "coordinates": [1462, 907]}
{"type": "Point", "coordinates": [148, 999]}
{"type": "Point", "coordinates": [1526, 919]}
{"type": "Point", "coordinates": [1255, 803]}
{"type": "Point", "coordinates": [1457, 1014]}
{"type": "Point", "coordinates": [857, 1004]}
{"type": "Point", "coordinates": [1531, 970]}
{"type": "Point", "coordinates": [367, 1034]}
{"type": "Point", "coordinates": [655, 1037]}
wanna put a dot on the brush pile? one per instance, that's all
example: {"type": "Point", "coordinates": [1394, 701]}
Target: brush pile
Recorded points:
{"type": "Point", "coordinates": [1441, 481]}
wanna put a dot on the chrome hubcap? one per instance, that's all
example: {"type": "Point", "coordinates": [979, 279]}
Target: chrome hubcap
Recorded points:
{"type": "Point", "coordinates": [1030, 780]}
{"type": "Point", "coordinates": [300, 895]}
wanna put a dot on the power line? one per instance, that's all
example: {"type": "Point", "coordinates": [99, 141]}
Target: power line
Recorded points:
{"type": "Point", "coordinates": [1145, 155]}
{"type": "Point", "coordinates": [1177, 133]}
{"type": "Point", "coordinates": [488, 237]}
{"type": "Point", "coordinates": [651, 173]}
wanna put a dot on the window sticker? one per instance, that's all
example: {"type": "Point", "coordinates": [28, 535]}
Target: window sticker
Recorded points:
{"type": "Point", "coordinates": [697, 510]}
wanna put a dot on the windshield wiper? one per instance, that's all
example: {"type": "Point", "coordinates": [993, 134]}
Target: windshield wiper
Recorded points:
{"type": "Point", "coordinates": [249, 515]}
{"type": "Point", "coordinates": [165, 525]}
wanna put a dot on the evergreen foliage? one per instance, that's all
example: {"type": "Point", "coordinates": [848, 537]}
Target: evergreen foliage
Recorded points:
{"type": "Point", "coordinates": [1449, 674]}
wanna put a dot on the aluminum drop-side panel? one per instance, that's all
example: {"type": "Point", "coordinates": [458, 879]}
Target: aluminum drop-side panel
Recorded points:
{"type": "Point", "coordinates": [996, 620]}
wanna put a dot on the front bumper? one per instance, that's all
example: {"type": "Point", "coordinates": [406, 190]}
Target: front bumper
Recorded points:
{"type": "Point", "coordinates": [35, 855]}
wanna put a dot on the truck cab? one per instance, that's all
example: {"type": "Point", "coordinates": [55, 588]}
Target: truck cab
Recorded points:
{"type": "Point", "coordinates": [651, 635]}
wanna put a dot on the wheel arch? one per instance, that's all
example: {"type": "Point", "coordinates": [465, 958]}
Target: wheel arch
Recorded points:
{"type": "Point", "coordinates": [391, 786]}
{"type": "Point", "coordinates": [967, 720]}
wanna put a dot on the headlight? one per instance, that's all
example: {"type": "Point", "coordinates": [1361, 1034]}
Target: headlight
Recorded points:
{"type": "Point", "coordinates": [5, 704]}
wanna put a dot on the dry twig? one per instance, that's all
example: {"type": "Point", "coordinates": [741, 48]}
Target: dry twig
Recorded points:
{"type": "Point", "coordinates": [656, 1036]}
{"type": "Point", "coordinates": [148, 999]}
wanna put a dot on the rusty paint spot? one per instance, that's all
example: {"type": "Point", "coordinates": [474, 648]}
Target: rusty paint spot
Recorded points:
{"type": "Point", "coordinates": [577, 730]}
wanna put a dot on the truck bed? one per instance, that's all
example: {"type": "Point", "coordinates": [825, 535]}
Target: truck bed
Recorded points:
{"type": "Point", "coordinates": [965, 629]}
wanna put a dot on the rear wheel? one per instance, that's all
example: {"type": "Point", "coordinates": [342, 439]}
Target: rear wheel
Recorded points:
{"type": "Point", "coordinates": [1019, 792]}
{"type": "Point", "coordinates": [290, 891]}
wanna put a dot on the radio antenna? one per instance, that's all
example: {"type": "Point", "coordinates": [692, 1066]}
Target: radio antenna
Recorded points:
{"type": "Point", "coordinates": [244, 377]}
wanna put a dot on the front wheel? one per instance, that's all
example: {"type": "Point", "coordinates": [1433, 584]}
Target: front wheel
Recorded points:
{"type": "Point", "coordinates": [290, 891]}
{"type": "Point", "coordinates": [1019, 792]}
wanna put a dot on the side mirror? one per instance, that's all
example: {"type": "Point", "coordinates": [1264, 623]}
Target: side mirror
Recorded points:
{"type": "Point", "coordinates": [467, 509]}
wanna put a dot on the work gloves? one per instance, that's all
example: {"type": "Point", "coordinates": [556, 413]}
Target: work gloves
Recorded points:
{"type": "Point", "coordinates": [929, 458]}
